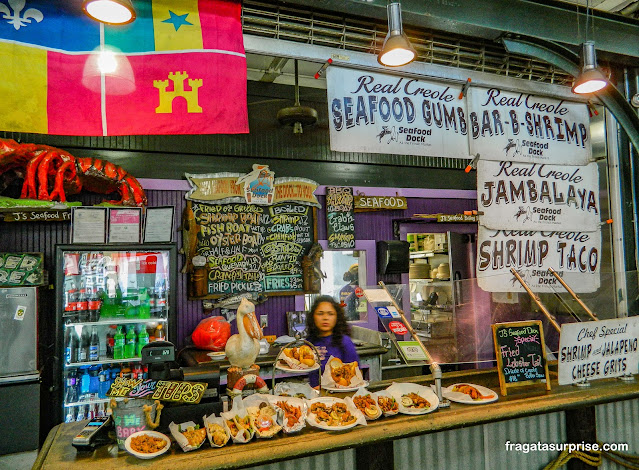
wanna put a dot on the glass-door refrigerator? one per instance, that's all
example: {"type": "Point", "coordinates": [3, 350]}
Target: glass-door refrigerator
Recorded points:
{"type": "Point", "coordinates": [111, 300]}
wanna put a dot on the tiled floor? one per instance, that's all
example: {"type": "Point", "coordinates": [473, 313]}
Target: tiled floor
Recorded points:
{"type": "Point", "coordinates": [19, 461]}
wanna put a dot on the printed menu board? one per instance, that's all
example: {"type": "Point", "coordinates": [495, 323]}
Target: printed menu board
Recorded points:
{"type": "Point", "coordinates": [340, 218]}
{"type": "Point", "coordinates": [521, 354]}
{"type": "Point", "coordinates": [251, 248]}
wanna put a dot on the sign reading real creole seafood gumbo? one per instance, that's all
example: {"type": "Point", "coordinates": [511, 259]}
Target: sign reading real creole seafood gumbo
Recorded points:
{"type": "Point", "coordinates": [533, 196]}
{"type": "Point", "coordinates": [340, 218]}
{"type": "Point", "coordinates": [598, 350]}
{"type": "Point", "coordinates": [253, 248]}
{"type": "Point", "coordinates": [379, 113]}
{"type": "Point", "coordinates": [521, 127]}
{"type": "Point", "coordinates": [576, 256]}
{"type": "Point", "coordinates": [521, 354]}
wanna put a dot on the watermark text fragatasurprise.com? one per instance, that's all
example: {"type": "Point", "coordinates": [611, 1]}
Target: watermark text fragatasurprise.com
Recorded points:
{"type": "Point", "coordinates": [526, 447]}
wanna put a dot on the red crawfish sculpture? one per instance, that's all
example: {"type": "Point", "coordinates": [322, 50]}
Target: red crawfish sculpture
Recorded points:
{"type": "Point", "coordinates": [50, 174]}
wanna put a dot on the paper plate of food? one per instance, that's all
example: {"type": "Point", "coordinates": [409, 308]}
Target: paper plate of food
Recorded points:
{"type": "Point", "coordinates": [147, 444]}
{"type": "Point", "coordinates": [189, 436]}
{"type": "Point", "coordinates": [217, 433]}
{"type": "Point", "coordinates": [333, 414]}
{"type": "Point", "coordinates": [263, 415]}
{"type": "Point", "coordinates": [295, 389]}
{"type": "Point", "coordinates": [342, 377]}
{"type": "Point", "coordinates": [414, 399]}
{"type": "Point", "coordinates": [387, 403]}
{"type": "Point", "coordinates": [469, 394]}
{"type": "Point", "coordinates": [366, 403]}
{"type": "Point", "coordinates": [300, 359]}
{"type": "Point", "coordinates": [291, 413]}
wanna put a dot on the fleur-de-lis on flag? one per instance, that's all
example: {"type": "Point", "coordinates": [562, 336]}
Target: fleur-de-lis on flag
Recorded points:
{"type": "Point", "coordinates": [16, 20]}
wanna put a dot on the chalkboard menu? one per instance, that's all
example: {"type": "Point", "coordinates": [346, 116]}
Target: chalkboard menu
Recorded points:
{"type": "Point", "coordinates": [251, 248]}
{"type": "Point", "coordinates": [521, 354]}
{"type": "Point", "coordinates": [340, 218]}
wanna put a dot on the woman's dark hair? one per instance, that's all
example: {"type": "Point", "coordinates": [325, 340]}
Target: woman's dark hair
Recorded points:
{"type": "Point", "coordinates": [341, 327]}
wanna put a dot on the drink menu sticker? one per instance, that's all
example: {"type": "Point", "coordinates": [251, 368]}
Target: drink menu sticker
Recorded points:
{"type": "Point", "coordinates": [598, 350]}
{"type": "Point", "coordinates": [521, 354]}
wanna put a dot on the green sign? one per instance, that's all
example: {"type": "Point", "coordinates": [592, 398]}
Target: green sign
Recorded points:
{"type": "Point", "coordinates": [21, 269]}
{"type": "Point", "coordinates": [412, 351]}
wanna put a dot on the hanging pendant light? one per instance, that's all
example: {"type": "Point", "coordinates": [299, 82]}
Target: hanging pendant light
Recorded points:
{"type": "Point", "coordinates": [109, 11]}
{"type": "Point", "coordinates": [590, 79]}
{"type": "Point", "coordinates": [397, 49]}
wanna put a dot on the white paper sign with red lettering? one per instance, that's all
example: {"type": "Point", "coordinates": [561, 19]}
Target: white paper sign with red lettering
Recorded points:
{"type": "Point", "coordinates": [533, 196]}
{"type": "Point", "coordinates": [598, 350]}
{"type": "Point", "coordinates": [575, 256]}
{"type": "Point", "coordinates": [521, 127]}
{"type": "Point", "coordinates": [379, 113]}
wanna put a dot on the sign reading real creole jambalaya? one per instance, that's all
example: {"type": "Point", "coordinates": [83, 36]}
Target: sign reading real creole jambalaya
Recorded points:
{"type": "Point", "coordinates": [535, 196]}
{"type": "Point", "coordinates": [575, 256]}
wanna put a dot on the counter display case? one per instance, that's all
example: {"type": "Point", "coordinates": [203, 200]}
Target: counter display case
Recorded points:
{"type": "Point", "coordinates": [110, 302]}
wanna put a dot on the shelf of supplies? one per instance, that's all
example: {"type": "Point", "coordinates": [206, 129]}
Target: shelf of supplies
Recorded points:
{"type": "Point", "coordinates": [103, 360]}
{"type": "Point", "coordinates": [118, 321]}
{"type": "Point", "coordinates": [87, 402]}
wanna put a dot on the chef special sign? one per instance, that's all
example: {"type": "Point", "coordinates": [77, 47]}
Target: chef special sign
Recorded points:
{"type": "Point", "coordinates": [537, 196]}
{"type": "Point", "coordinates": [378, 113]}
{"type": "Point", "coordinates": [522, 127]}
{"type": "Point", "coordinates": [575, 256]}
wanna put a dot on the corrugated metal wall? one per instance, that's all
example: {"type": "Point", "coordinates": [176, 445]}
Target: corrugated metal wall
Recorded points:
{"type": "Point", "coordinates": [335, 460]}
{"type": "Point", "coordinates": [617, 423]}
{"type": "Point", "coordinates": [483, 447]}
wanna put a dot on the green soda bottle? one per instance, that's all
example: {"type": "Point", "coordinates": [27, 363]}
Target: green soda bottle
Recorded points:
{"type": "Point", "coordinates": [143, 338]}
{"type": "Point", "coordinates": [144, 309]}
{"type": "Point", "coordinates": [118, 344]}
{"type": "Point", "coordinates": [129, 346]}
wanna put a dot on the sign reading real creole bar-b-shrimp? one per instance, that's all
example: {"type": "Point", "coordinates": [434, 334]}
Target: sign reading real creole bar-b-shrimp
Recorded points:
{"type": "Point", "coordinates": [379, 113]}
{"type": "Point", "coordinates": [521, 127]}
{"type": "Point", "coordinates": [534, 196]}
{"type": "Point", "coordinates": [575, 256]}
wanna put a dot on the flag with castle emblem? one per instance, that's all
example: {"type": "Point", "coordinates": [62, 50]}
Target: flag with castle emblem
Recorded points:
{"type": "Point", "coordinates": [179, 68]}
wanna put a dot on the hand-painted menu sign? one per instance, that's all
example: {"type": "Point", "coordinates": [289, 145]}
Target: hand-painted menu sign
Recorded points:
{"type": "Point", "coordinates": [26, 215]}
{"type": "Point", "coordinates": [526, 196]}
{"type": "Point", "coordinates": [163, 390]}
{"type": "Point", "coordinates": [598, 350]}
{"type": "Point", "coordinates": [378, 203]}
{"type": "Point", "coordinates": [576, 256]}
{"type": "Point", "coordinates": [378, 113]}
{"type": "Point", "coordinates": [520, 127]}
{"type": "Point", "coordinates": [521, 354]}
{"type": "Point", "coordinates": [250, 248]}
{"type": "Point", "coordinates": [21, 269]}
{"type": "Point", "coordinates": [340, 218]}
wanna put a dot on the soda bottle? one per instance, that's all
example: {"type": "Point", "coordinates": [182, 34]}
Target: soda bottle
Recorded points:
{"type": "Point", "coordinates": [70, 415]}
{"type": "Point", "coordinates": [144, 309]}
{"type": "Point", "coordinates": [160, 300]}
{"type": "Point", "coordinates": [143, 338]}
{"type": "Point", "coordinates": [70, 302]}
{"type": "Point", "coordinates": [110, 340]}
{"type": "Point", "coordinates": [93, 304]}
{"type": "Point", "coordinates": [85, 342]}
{"type": "Point", "coordinates": [94, 345]}
{"type": "Point", "coordinates": [71, 392]}
{"type": "Point", "coordinates": [82, 412]}
{"type": "Point", "coordinates": [137, 371]}
{"type": "Point", "coordinates": [160, 334]}
{"type": "Point", "coordinates": [118, 344]}
{"type": "Point", "coordinates": [152, 301]}
{"type": "Point", "coordinates": [94, 381]}
{"type": "Point", "coordinates": [103, 387]}
{"type": "Point", "coordinates": [71, 346]}
{"type": "Point", "coordinates": [85, 382]}
{"type": "Point", "coordinates": [129, 346]}
{"type": "Point", "coordinates": [82, 306]}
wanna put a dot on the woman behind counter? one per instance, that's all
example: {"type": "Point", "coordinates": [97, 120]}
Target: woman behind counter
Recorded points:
{"type": "Point", "coordinates": [328, 331]}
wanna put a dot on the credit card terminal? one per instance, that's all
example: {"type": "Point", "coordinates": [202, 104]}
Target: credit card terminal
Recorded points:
{"type": "Point", "coordinates": [93, 434]}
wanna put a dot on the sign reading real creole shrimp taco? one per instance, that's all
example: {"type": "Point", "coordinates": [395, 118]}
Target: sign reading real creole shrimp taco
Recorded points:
{"type": "Point", "coordinates": [379, 113]}
{"type": "Point", "coordinates": [575, 256]}
{"type": "Point", "coordinates": [534, 196]}
{"type": "Point", "coordinates": [520, 127]}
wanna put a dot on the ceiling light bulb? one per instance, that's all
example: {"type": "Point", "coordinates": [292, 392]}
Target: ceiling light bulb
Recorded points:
{"type": "Point", "coordinates": [110, 11]}
{"type": "Point", "coordinates": [590, 80]}
{"type": "Point", "coordinates": [107, 62]}
{"type": "Point", "coordinates": [397, 49]}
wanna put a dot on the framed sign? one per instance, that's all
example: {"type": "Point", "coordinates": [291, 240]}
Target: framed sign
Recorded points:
{"type": "Point", "coordinates": [521, 354]}
{"type": "Point", "coordinates": [159, 224]}
{"type": "Point", "coordinates": [125, 224]}
{"type": "Point", "coordinates": [88, 224]}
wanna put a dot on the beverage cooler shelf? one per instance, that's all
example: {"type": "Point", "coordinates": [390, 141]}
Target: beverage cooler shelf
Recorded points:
{"type": "Point", "coordinates": [87, 402]}
{"type": "Point", "coordinates": [118, 321]}
{"type": "Point", "coordinates": [103, 360]}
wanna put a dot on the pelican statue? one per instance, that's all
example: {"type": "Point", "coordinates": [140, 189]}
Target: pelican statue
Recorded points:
{"type": "Point", "coordinates": [243, 347]}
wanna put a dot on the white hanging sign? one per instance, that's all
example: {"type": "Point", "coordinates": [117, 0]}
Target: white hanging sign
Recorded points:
{"type": "Point", "coordinates": [598, 350]}
{"type": "Point", "coordinates": [521, 127]}
{"type": "Point", "coordinates": [379, 113]}
{"type": "Point", "coordinates": [525, 196]}
{"type": "Point", "coordinates": [575, 256]}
